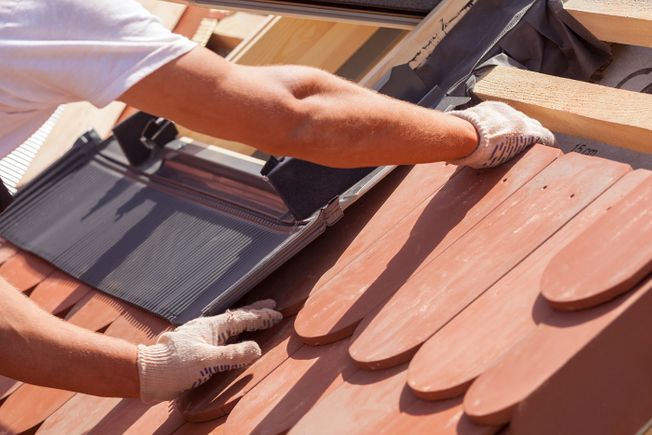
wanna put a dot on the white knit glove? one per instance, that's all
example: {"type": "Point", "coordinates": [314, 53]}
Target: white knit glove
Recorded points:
{"type": "Point", "coordinates": [504, 132]}
{"type": "Point", "coordinates": [188, 356]}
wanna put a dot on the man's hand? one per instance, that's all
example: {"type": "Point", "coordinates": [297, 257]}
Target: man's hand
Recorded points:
{"type": "Point", "coordinates": [504, 132]}
{"type": "Point", "coordinates": [188, 356]}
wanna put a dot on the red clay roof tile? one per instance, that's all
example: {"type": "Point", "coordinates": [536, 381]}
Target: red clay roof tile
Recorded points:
{"type": "Point", "coordinates": [509, 311]}
{"type": "Point", "coordinates": [602, 263]}
{"type": "Point", "coordinates": [321, 387]}
{"type": "Point", "coordinates": [137, 326]}
{"type": "Point", "coordinates": [219, 395]}
{"type": "Point", "coordinates": [378, 402]}
{"type": "Point", "coordinates": [161, 418]}
{"type": "Point", "coordinates": [29, 405]}
{"type": "Point", "coordinates": [24, 271]}
{"type": "Point", "coordinates": [396, 196]}
{"type": "Point", "coordinates": [334, 311]}
{"type": "Point", "coordinates": [131, 416]}
{"type": "Point", "coordinates": [281, 399]}
{"type": "Point", "coordinates": [604, 388]}
{"type": "Point", "coordinates": [7, 250]}
{"type": "Point", "coordinates": [79, 414]}
{"type": "Point", "coordinates": [58, 293]}
{"type": "Point", "coordinates": [7, 386]}
{"type": "Point", "coordinates": [559, 339]}
{"type": "Point", "coordinates": [392, 334]}
{"type": "Point", "coordinates": [95, 311]}
{"type": "Point", "coordinates": [214, 427]}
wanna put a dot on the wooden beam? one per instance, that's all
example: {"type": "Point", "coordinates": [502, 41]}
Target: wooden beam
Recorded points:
{"type": "Point", "coordinates": [321, 44]}
{"type": "Point", "coordinates": [613, 116]}
{"type": "Point", "coordinates": [232, 30]}
{"type": "Point", "coordinates": [622, 21]}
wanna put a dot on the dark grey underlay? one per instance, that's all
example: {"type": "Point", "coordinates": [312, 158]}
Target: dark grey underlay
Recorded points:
{"type": "Point", "coordinates": [170, 251]}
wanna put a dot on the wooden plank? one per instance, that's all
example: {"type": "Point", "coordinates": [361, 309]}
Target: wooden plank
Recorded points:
{"type": "Point", "coordinates": [252, 38]}
{"type": "Point", "coordinates": [419, 43]}
{"type": "Point", "coordinates": [372, 52]}
{"type": "Point", "coordinates": [232, 30]}
{"type": "Point", "coordinates": [240, 25]}
{"type": "Point", "coordinates": [321, 44]}
{"type": "Point", "coordinates": [622, 21]}
{"type": "Point", "coordinates": [205, 31]}
{"type": "Point", "coordinates": [336, 46]}
{"type": "Point", "coordinates": [614, 116]}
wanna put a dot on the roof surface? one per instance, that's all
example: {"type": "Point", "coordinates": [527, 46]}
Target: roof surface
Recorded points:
{"type": "Point", "coordinates": [420, 311]}
{"type": "Point", "coordinates": [445, 301]}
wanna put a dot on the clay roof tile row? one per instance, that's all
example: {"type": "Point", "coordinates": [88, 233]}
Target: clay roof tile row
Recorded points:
{"type": "Point", "coordinates": [422, 312]}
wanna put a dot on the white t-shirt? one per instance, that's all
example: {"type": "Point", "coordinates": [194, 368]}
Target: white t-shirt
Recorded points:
{"type": "Point", "coordinates": [61, 51]}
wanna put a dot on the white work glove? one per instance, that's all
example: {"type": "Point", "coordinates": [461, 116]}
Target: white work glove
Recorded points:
{"type": "Point", "coordinates": [504, 132]}
{"type": "Point", "coordinates": [188, 356]}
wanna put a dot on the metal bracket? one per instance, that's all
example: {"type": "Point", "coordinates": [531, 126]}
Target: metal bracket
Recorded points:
{"type": "Point", "coordinates": [333, 212]}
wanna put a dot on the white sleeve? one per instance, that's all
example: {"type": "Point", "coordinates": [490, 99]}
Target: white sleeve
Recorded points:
{"type": "Point", "coordinates": [72, 50]}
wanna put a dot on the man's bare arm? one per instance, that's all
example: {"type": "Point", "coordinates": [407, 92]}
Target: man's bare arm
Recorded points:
{"type": "Point", "coordinates": [41, 349]}
{"type": "Point", "coordinates": [299, 111]}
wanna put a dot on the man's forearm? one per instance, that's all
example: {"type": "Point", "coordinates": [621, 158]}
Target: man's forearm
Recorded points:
{"type": "Point", "coordinates": [349, 126]}
{"type": "Point", "coordinates": [44, 350]}
{"type": "Point", "coordinates": [299, 111]}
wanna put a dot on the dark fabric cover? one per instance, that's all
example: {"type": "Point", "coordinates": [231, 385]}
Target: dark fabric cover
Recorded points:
{"type": "Point", "coordinates": [307, 187]}
{"type": "Point", "coordinates": [538, 35]}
